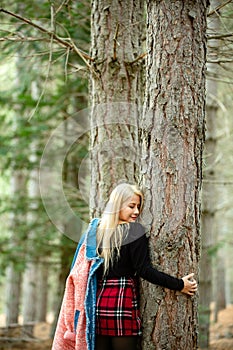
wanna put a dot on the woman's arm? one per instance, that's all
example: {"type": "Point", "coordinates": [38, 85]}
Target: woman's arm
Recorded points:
{"type": "Point", "coordinates": [139, 253]}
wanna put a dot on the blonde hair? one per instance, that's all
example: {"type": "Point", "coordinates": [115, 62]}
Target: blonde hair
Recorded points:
{"type": "Point", "coordinates": [109, 232]}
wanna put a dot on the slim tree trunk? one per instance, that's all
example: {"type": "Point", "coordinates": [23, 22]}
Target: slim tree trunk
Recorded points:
{"type": "Point", "coordinates": [173, 139]}
{"type": "Point", "coordinates": [18, 194]}
{"type": "Point", "coordinates": [209, 191]}
{"type": "Point", "coordinates": [219, 265]}
{"type": "Point", "coordinates": [221, 281]}
{"type": "Point", "coordinates": [13, 289]}
{"type": "Point", "coordinates": [29, 299]}
{"type": "Point", "coordinates": [14, 274]}
{"type": "Point", "coordinates": [42, 294]}
{"type": "Point", "coordinates": [30, 275]}
{"type": "Point", "coordinates": [117, 31]}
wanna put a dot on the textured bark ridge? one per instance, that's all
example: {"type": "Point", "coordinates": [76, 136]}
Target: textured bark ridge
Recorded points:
{"type": "Point", "coordinates": [116, 93]}
{"type": "Point", "coordinates": [116, 50]}
{"type": "Point", "coordinates": [173, 139]}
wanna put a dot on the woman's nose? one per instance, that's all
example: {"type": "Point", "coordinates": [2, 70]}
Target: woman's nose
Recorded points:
{"type": "Point", "coordinates": [136, 210]}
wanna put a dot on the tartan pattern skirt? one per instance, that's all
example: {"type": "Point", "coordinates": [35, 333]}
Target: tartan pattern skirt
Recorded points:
{"type": "Point", "coordinates": [117, 307]}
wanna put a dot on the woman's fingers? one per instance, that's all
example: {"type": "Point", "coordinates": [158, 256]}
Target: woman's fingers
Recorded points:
{"type": "Point", "coordinates": [190, 276]}
{"type": "Point", "coordinates": [190, 284]}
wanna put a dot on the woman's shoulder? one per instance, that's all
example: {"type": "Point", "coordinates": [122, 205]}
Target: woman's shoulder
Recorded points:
{"type": "Point", "coordinates": [133, 231]}
{"type": "Point", "coordinates": [136, 226]}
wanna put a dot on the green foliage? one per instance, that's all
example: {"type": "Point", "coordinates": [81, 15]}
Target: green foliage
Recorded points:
{"type": "Point", "coordinates": [41, 87]}
{"type": "Point", "coordinates": [213, 250]}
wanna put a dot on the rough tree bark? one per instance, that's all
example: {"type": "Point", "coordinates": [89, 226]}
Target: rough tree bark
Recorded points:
{"type": "Point", "coordinates": [173, 125]}
{"type": "Point", "coordinates": [116, 94]}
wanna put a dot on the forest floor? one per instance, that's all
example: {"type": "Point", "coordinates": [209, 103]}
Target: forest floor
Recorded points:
{"type": "Point", "coordinates": [221, 335]}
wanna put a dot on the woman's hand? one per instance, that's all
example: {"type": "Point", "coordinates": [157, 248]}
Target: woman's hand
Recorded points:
{"type": "Point", "coordinates": [190, 284]}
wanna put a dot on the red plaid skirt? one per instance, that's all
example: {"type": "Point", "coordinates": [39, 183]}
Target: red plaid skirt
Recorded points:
{"type": "Point", "coordinates": [117, 307]}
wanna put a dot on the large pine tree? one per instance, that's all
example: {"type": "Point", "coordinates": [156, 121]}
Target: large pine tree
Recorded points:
{"type": "Point", "coordinates": [173, 139]}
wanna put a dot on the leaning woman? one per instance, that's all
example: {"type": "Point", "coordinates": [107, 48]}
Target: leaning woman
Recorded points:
{"type": "Point", "coordinates": [100, 309]}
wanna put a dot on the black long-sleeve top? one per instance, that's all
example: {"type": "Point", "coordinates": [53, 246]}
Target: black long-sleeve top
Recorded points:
{"type": "Point", "coordinates": [134, 260]}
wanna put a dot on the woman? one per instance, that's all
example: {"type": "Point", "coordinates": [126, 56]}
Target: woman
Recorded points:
{"type": "Point", "coordinates": [100, 308]}
{"type": "Point", "coordinates": [123, 245]}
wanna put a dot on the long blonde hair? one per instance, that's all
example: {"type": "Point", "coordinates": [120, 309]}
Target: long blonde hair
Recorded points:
{"type": "Point", "coordinates": [109, 232]}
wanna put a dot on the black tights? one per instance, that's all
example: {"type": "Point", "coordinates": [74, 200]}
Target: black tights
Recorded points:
{"type": "Point", "coordinates": [116, 343]}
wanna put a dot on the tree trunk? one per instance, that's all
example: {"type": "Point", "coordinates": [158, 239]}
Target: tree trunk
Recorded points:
{"type": "Point", "coordinates": [30, 275]}
{"type": "Point", "coordinates": [173, 139]}
{"type": "Point", "coordinates": [42, 295]}
{"type": "Point", "coordinates": [221, 281]}
{"type": "Point", "coordinates": [13, 289]}
{"type": "Point", "coordinates": [18, 194]}
{"type": "Point", "coordinates": [116, 94]}
{"type": "Point", "coordinates": [209, 192]}
{"type": "Point", "coordinates": [14, 274]}
{"type": "Point", "coordinates": [219, 265]}
{"type": "Point", "coordinates": [29, 299]}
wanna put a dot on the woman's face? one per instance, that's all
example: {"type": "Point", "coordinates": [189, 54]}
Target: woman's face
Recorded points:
{"type": "Point", "coordinates": [130, 210]}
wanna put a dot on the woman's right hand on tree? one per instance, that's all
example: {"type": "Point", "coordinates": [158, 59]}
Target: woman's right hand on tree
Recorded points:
{"type": "Point", "coordinates": [190, 284]}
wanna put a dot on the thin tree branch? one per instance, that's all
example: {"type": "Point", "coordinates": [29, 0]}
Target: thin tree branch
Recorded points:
{"type": "Point", "coordinates": [138, 58]}
{"type": "Point", "coordinates": [53, 18]}
{"type": "Point", "coordinates": [23, 39]}
{"type": "Point", "coordinates": [76, 68]}
{"type": "Point", "coordinates": [50, 60]}
{"type": "Point", "coordinates": [115, 42]}
{"type": "Point", "coordinates": [46, 80]}
{"type": "Point", "coordinates": [225, 60]}
{"type": "Point", "coordinates": [66, 63]}
{"type": "Point", "coordinates": [219, 36]}
{"type": "Point", "coordinates": [216, 182]}
{"type": "Point", "coordinates": [69, 44]}
{"type": "Point", "coordinates": [64, 2]}
{"type": "Point", "coordinates": [218, 8]}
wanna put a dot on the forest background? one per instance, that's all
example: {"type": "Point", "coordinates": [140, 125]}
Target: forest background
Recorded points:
{"type": "Point", "coordinates": [44, 83]}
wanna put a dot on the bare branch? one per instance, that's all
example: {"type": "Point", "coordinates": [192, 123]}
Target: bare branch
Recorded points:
{"type": "Point", "coordinates": [69, 44]}
{"type": "Point", "coordinates": [77, 67]}
{"type": "Point", "coordinates": [64, 2]}
{"type": "Point", "coordinates": [66, 63]}
{"type": "Point", "coordinates": [218, 8]}
{"type": "Point", "coordinates": [140, 57]}
{"type": "Point", "coordinates": [46, 79]}
{"type": "Point", "coordinates": [53, 18]}
{"type": "Point", "coordinates": [217, 182]}
{"type": "Point", "coordinates": [53, 23]}
{"type": "Point", "coordinates": [23, 39]}
{"type": "Point", "coordinates": [115, 42]}
{"type": "Point", "coordinates": [219, 36]}
{"type": "Point", "coordinates": [225, 60]}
